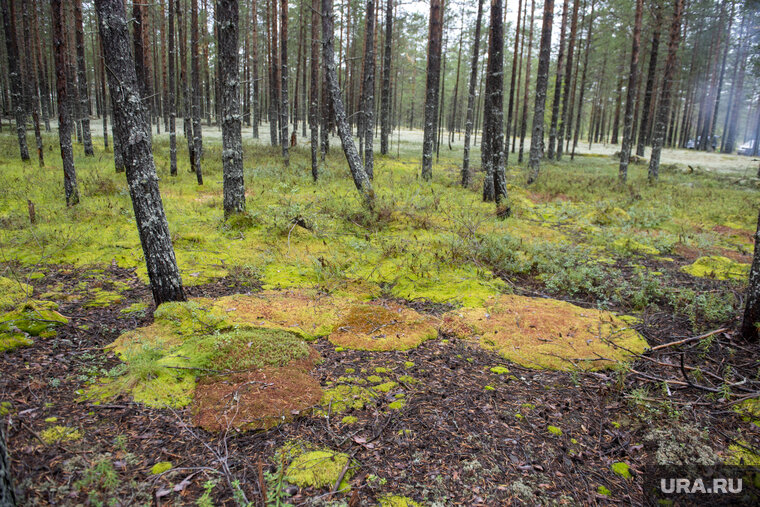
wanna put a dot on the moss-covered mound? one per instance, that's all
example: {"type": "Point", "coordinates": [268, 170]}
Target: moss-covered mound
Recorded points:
{"type": "Point", "coordinates": [546, 333]}
{"type": "Point", "coordinates": [195, 343]}
{"type": "Point", "coordinates": [320, 469]}
{"type": "Point", "coordinates": [385, 326]}
{"type": "Point", "coordinates": [13, 293]}
{"type": "Point", "coordinates": [29, 319]}
{"type": "Point", "coordinates": [718, 267]}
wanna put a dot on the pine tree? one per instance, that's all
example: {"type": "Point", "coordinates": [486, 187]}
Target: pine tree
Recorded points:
{"type": "Point", "coordinates": [566, 117]}
{"type": "Point", "coordinates": [471, 98]}
{"type": "Point", "coordinates": [645, 124]}
{"type": "Point", "coordinates": [7, 492]}
{"type": "Point", "coordinates": [197, 135]}
{"type": "Point", "coordinates": [284, 139]}
{"type": "Point", "coordinates": [314, 119]}
{"type": "Point", "coordinates": [84, 97]}
{"type": "Point", "coordinates": [130, 120]}
{"type": "Point", "coordinates": [432, 84]}
{"type": "Point", "coordinates": [368, 89]}
{"type": "Point", "coordinates": [557, 84]}
{"type": "Point", "coordinates": [750, 324]}
{"type": "Point", "coordinates": [385, 94]}
{"type": "Point", "coordinates": [14, 75]}
{"type": "Point", "coordinates": [170, 95]}
{"type": "Point", "coordinates": [628, 123]}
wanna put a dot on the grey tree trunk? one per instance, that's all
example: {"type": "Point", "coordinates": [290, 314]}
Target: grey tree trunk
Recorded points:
{"type": "Point", "coordinates": [314, 119]}
{"type": "Point", "coordinates": [526, 88]}
{"type": "Point", "coordinates": [131, 124]}
{"type": "Point", "coordinates": [31, 79]}
{"type": "Point", "coordinates": [582, 87]}
{"type": "Point", "coordinates": [284, 139]}
{"type": "Point", "coordinates": [187, 125]}
{"type": "Point", "coordinates": [71, 190]}
{"type": "Point", "coordinates": [667, 84]}
{"type": "Point", "coordinates": [14, 76]}
{"type": "Point", "coordinates": [362, 182]}
{"type": "Point", "coordinates": [84, 96]}
{"type": "Point", "coordinates": [737, 101]}
{"type": "Point", "coordinates": [566, 118]}
{"type": "Point", "coordinates": [471, 98]}
{"type": "Point", "coordinates": [625, 148]}
{"type": "Point", "coordinates": [172, 104]}
{"type": "Point", "coordinates": [432, 86]}
{"type": "Point", "coordinates": [41, 69]}
{"type": "Point", "coordinates": [368, 89]}
{"type": "Point", "coordinates": [385, 94]}
{"type": "Point", "coordinates": [232, 140]}
{"type": "Point", "coordinates": [103, 94]}
{"type": "Point", "coordinates": [557, 84]}
{"type": "Point", "coordinates": [197, 152]}
{"type": "Point", "coordinates": [7, 493]}
{"type": "Point", "coordinates": [515, 66]}
{"type": "Point", "coordinates": [542, 80]}
{"type": "Point", "coordinates": [492, 144]}
{"type": "Point", "coordinates": [255, 69]}
{"type": "Point", "coordinates": [645, 124]}
{"type": "Point", "coordinates": [751, 319]}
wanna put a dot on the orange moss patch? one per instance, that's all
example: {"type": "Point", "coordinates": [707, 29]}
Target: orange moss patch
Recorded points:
{"type": "Point", "coordinates": [257, 399]}
{"type": "Point", "coordinates": [383, 326]}
{"type": "Point", "coordinates": [546, 333]}
{"type": "Point", "coordinates": [308, 314]}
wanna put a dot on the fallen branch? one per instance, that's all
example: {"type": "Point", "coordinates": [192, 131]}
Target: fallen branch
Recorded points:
{"type": "Point", "coordinates": [688, 340]}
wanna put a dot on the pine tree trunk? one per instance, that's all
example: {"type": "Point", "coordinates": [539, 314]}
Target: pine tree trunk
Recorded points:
{"type": "Point", "coordinates": [565, 118]}
{"type": "Point", "coordinates": [71, 190]}
{"type": "Point", "coordinates": [284, 139]}
{"type": "Point", "coordinates": [132, 128]}
{"type": "Point", "coordinates": [255, 70]}
{"type": "Point", "coordinates": [524, 120]}
{"type": "Point", "coordinates": [368, 105]}
{"type": "Point", "coordinates": [542, 79]}
{"type": "Point", "coordinates": [431, 87]}
{"type": "Point", "coordinates": [232, 141]}
{"type": "Point", "coordinates": [645, 126]}
{"type": "Point", "coordinates": [196, 92]}
{"type": "Point", "coordinates": [625, 148]}
{"type": "Point", "coordinates": [471, 98]}
{"type": "Point", "coordinates": [750, 330]}
{"type": "Point", "coordinates": [314, 120]}
{"type": "Point", "coordinates": [667, 83]}
{"type": "Point", "coordinates": [14, 75]}
{"type": "Point", "coordinates": [170, 95]}
{"type": "Point", "coordinates": [362, 182]}
{"type": "Point", "coordinates": [41, 70]}
{"type": "Point", "coordinates": [737, 101]}
{"type": "Point", "coordinates": [582, 87]}
{"type": "Point", "coordinates": [492, 144]}
{"type": "Point", "coordinates": [455, 99]}
{"type": "Point", "coordinates": [510, 107]}
{"type": "Point", "coordinates": [7, 492]}
{"type": "Point", "coordinates": [186, 98]}
{"type": "Point", "coordinates": [31, 79]}
{"type": "Point", "coordinates": [557, 84]}
{"type": "Point", "coordinates": [103, 95]}
{"type": "Point", "coordinates": [84, 98]}
{"type": "Point", "coordinates": [385, 94]}
{"type": "Point", "coordinates": [721, 79]}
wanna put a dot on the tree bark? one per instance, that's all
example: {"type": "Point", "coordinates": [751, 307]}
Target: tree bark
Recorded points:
{"type": "Point", "coordinates": [31, 79]}
{"type": "Point", "coordinates": [557, 84]}
{"type": "Point", "coordinates": [432, 84]}
{"type": "Point", "coordinates": [255, 70]}
{"type": "Point", "coordinates": [749, 329]}
{"type": "Point", "coordinates": [471, 98]}
{"type": "Point", "coordinates": [565, 117]}
{"type": "Point", "coordinates": [625, 148]}
{"type": "Point", "coordinates": [737, 101]}
{"type": "Point", "coordinates": [542, 79]}
{"type": "Point", "coordinates": [362, 182]}
{"type": "Point", "coordinates": [14, 76]}
{"type": "Point", "coordinates": [368, 87]}
{"type": "Point", "coordinates": [582, 87]}
{"type": "Point", "coordinates": [170, 95]}
{"type": "Point", "coordinates": [132, 128]}
{"type": "Point", "coordinates": [314, 120]}
{"type": "Point", "coordinates": [667, 84]}
{"type": "Point", "coordinates": [71, 190]}
{"type": "Point", "coordinates": [524, 120]}
{"type": "Point", "coordinates": [385, 94]}
{"type": "Point", "coordinates": [197, 152]}
{"type": "Point", "coordinates": [510, 107]}
{"type": "Point", "coordinates": [84, 97]}
{"type": "Point", "coordinates": [7, 492]}
{"type": "Point", "coordinates": [492, 144]}
{"type": "Point", "coordinates": [284, 139]}
{"type": "Point", "coordinates": [644, 125]}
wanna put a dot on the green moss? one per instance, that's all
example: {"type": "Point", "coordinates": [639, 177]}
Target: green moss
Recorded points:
{"type": "Point", "coordinates": [161, 467]}
{"type": "Point", "coordinates": [408, 364]}
{"type": "Point", "coordinates": [101, 298]}
{"type": "Point", "coordinates": [375, 379]}
{"type": "Point", "coordinates": [499, 370]}
{"type": "Point", "coordinates": [622, 469]}
{"type": "Point", "coordinates": [603, 491]}
{"type": "Point", "coordinates": [489, 388]}
{"type": "Point", "coordinates": [320, 469]}
{"type": "Point", "coordinates": [397, 501]}
{"type": "Point", "coordinates": [407, 379]}
{"type": "Point", "coordinates": [58, 434]}
{"type": "Point", "coordinates": [134, 308]}
{"type": "Point", "coordinates": [13, 293]}
{"type": "Point", "coordinates": [51, 419]}
{"type": "Point", "coordinates": [397, 405]}
{"type": "Point", "coordinates": [11, 341]}
{"type": "Point", "coordinates": [386, 387]}
{"type": "Point", "coordinates": [740, 454]}
{"type": "Point", "coordinates": [554, 430]}
{"type": "Point", "coordinates": [720, 268]}
{"type": "Point", "coordinates": [350, 370]}
{"type": "Point", "coordinates": [5, 408]}
{"type": "Point", "coordinates": [344, 397]}
{"type": "Point", "coordinates": [630, 245]}
{"type": "Point", "coordinates": [349, 419]}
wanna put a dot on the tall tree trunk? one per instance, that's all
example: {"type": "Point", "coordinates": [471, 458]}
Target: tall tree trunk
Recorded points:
{"type": "Point", "coordinates": [196, 92]}
{"type": "Point", "coordinates": [492, 144]}
{"type": "Point", "coordinates": [84, 97]}
{"type": "Point", "coordinates": [625, 148]}
{"type": "Point", "coordinates": [510, 107]}
{"type": "Point", "coordinates": [284, 140]}
{"type": "Point", "coordinates": [31, 79]}
{"type": "Point", "coordinates": [542, 79]}
{"type": "Point", "coordinates": [170, 96]}
{"type": "Point", "coordinates": [232, 141]}
{"type": "Point", "coordinates": [566, 117]}
{"type": "Point", "coordinates": [71, 190]}
{"type": "Point", "coordinates": [667, 83]}
{"type": "Point", "coordinates": [103, 94]}
{"type": "Point", "coordinates": [582, 87]}
{"type": "Point", "coordinates": [644, 125]}
{"type": "Point", "coordinates": [455, 99]}
{"type": "Point", "coordinates": [724, 59]}
{"type": "Point", "coordinates": [314, 85]}
{"type": "Point", "coordinates": [471, 99]}
{"type": "Point", "coordinates": [558, 84]}
{"type": "Point", "coordinates": [255, 70]}
{"type": "Point", "coordinates": [368, 105]}
{"type": "Point", "coordinates": [362, 182]}
{"type": "Point", "coordinates": [750, 329]}
{"type": "Point", "coordinates": [524, 120]}
{"type": "Point", "coordinates": [131, 124]}
{"type": "Point", "coordinates": [432, 83]}
{"type": "Point", "coordinates": [41, 69]}
{"type": "Point", "coordinates": [186, 97]}
{"type": "Point", "coordinates": [385, 94]}
{"type": "Point", "coordinates": [737, 101]}
{"type": "Point", "coordinates": [14, 75]}
{"type": "Point", "coordinates": [7, 492]}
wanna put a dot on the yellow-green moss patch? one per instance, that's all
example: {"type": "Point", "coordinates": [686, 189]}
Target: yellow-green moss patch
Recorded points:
{"type": "Point", "coordinates": [546, 333]}
{"type": "Point", "coordinates": [344, 397]}
{"type": "Point", "coordinates": [554, 430]}
{"type": "Point", "coordinates": [57, 434]}
{"type": "Point", "coordinates": [718, 267]}
{"type": "Point", "coordinates": [386, 326]}
{"type": "Point", "coordinates": [397, 501]}
{"type": "Point", "coordinates": [102, 297]}
{"type": "Point", "coordinates": [622, 469]}
{"type": "Point", "coordinates": [13, 293]}
{"type": "Point", "coordinates": [161, 467]}
{"type": "Point", "coordinates": [320, 469]}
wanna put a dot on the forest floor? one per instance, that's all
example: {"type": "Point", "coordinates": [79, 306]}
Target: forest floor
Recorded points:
{"type": "Point", "coordinates": [427, 352]}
